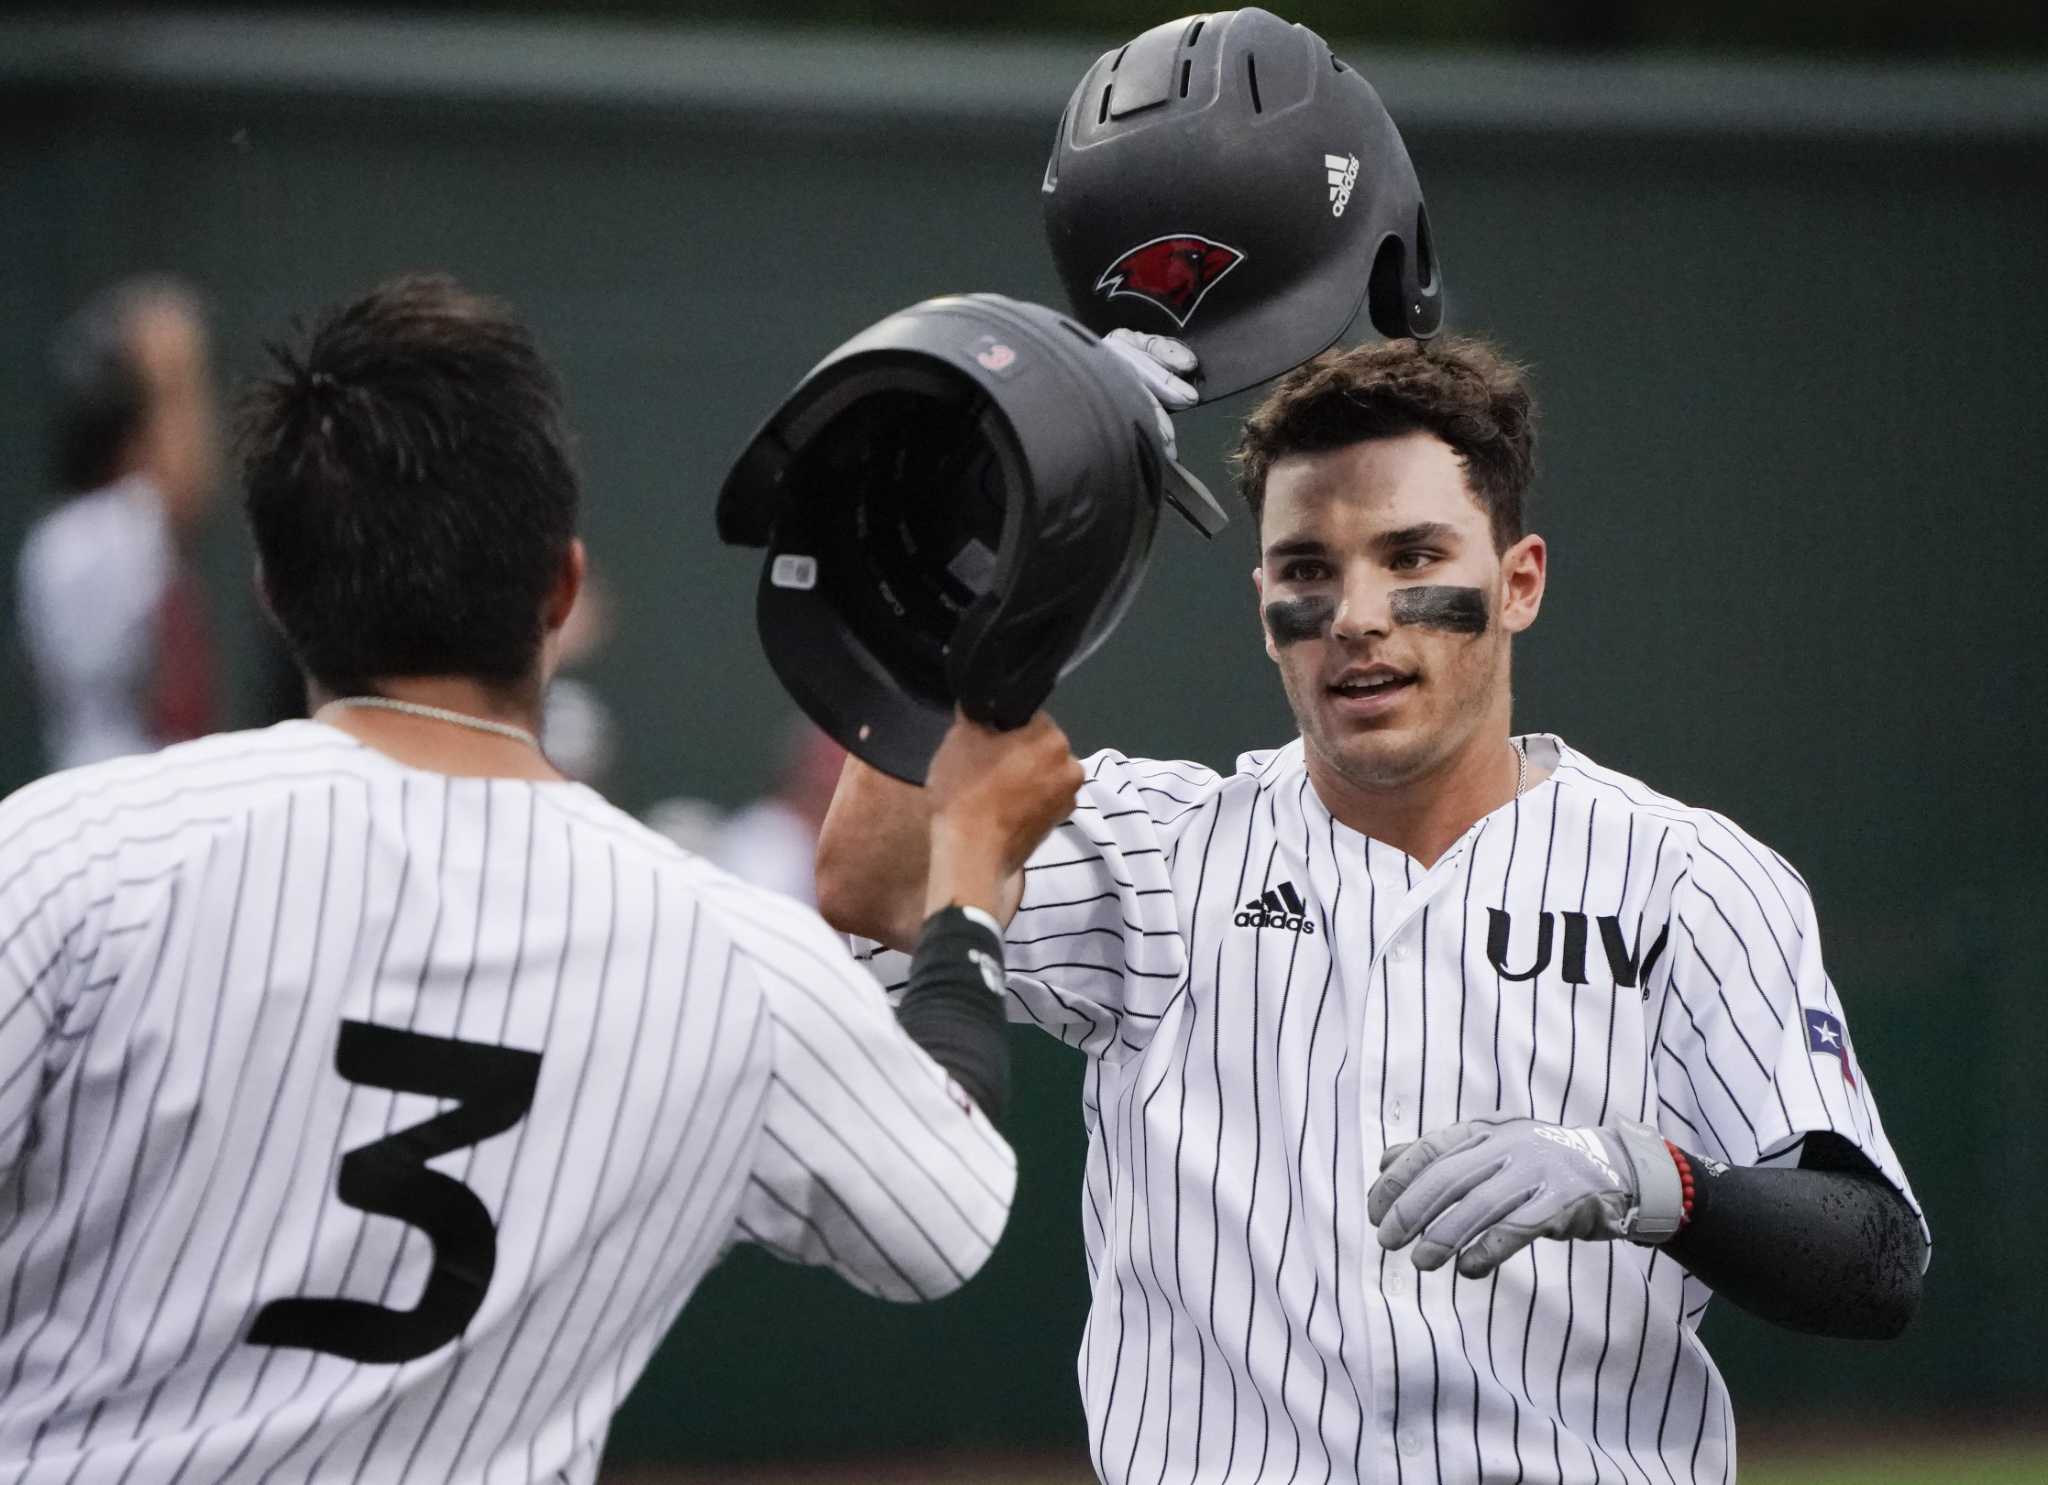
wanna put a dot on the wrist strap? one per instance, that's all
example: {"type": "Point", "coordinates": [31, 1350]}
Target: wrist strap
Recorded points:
{"type": "Point", "coordinates": [1662, 1196]}
{"type": "Point", "coordinates": [1684, 1165]}
{"type": "Point", "coordinates": [953, 1005]}
{"type": "Point", "coordinates": [970, 933]}
{"type": "Point", "coordinates": [976, 916]}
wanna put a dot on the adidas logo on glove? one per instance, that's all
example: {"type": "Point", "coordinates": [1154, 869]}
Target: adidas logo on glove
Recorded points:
{"type": "Point", "coordinates": [1281, 907]}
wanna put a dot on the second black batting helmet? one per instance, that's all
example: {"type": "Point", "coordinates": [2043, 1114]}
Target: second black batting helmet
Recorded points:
{"type": "Point", "coordinates": [1227, 180]}
{"type": "Point", "coordinates": [957, 506]}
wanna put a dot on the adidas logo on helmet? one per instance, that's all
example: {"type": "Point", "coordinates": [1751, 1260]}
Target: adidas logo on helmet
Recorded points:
{"type": "Point", "coordinates": [1343, 173]}
{"type": "Point", "coordinates": [1280, 907]}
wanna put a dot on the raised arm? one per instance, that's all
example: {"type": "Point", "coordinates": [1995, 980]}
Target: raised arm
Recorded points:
{"type": "Point", "coordinates": [878, 1155]}
{"type": "Point", "coordinates": [875, 855]}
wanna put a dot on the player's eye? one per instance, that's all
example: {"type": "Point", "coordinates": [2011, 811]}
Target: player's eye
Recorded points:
{"type": "Point", "coordinates": [1305, 570]}
{"type": "Point", "coordinates": [1413, 559]}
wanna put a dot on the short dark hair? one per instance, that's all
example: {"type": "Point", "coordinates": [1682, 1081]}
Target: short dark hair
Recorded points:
{"type": "Point", "coordinates": [102, 397]}
{"type": "Point", "coordinates": [1464, 391]}
{"type": "Point", "coordinates": [410, 488]}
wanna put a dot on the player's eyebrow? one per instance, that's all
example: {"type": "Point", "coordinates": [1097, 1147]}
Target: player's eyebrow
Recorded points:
{"type": "Point", "coordinates": [1295, 546]}
{"type": "Point", "coordinates": [1411, 536]}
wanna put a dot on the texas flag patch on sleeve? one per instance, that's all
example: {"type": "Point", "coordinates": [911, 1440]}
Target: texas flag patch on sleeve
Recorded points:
{"type": "Point", "coordinates": [1824, 1035]}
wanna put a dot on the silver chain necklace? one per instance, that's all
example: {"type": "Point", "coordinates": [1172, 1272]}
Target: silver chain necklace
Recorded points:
{"type": "Point", "coordinates": [1521, 766]}
{"type": "Point", "coordinates": [440, 714]}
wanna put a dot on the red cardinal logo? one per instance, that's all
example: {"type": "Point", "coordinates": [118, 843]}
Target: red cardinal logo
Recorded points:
{"type": "Point", "coordinates": [1172, 272]}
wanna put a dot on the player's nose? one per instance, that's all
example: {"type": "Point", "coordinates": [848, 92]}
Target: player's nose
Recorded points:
{"type": "Point", "coordinates": [1364, 610]}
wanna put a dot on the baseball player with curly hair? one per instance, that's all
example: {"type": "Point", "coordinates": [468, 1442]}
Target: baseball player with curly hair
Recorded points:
{"type": "Point", "coordinates": [1438, 1077]}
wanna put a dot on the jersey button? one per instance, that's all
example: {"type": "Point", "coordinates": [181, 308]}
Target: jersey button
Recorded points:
{"type": "Point", "coordinates": [1400, 952]}
{"type": "Point", "coordinates": [1411, 1441]}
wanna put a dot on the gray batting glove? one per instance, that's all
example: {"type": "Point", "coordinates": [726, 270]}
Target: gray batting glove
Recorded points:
{"type": "Point", "coordinates": [1487, 1188]}
{"type": "Point", "coordinates": [1155, 360]}
{"type": "Point", "coordinates": [1160, 362]}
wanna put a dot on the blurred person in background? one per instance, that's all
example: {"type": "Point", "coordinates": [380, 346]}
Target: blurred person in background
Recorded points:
{"type": "Point", "coordinates": [111, 611]}
{"type": "Point", "coordinates": [773, 842]}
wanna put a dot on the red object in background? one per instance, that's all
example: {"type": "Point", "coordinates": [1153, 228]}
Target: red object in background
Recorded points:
{"type": "Point", "coordinates": [182, 698]}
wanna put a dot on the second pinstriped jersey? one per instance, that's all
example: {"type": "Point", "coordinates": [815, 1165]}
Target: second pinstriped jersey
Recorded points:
{"type": "Point", "coordinates": [1268, 1000]}
{"type": "Point", "coordinates": [358, 1123]}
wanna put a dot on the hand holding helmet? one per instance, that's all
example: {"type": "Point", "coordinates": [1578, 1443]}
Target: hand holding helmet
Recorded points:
{"type": "Point", "coordinates": [994, 797]}
{"type": "Point", "coordinates": [1159, 362]}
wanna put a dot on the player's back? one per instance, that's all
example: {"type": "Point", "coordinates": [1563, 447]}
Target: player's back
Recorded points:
{"type": "Point", "coordinates": [364, 1122]}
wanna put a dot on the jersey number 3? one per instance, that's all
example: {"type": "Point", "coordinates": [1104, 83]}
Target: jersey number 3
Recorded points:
{"type": "Point", "coordinates": [493, 1089]}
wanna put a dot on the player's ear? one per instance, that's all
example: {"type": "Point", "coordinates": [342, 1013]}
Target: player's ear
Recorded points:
{"type": "Point", "coordinates": [1523, 568]}
{"type": "Point", "coordinates": [1259, 589]}
{"type": "Point", "coordinates": [568, 585]}
{"type": "Point", "coordinates": [558, 605]}
{"type": "Point", "coordinates": [262, 587]}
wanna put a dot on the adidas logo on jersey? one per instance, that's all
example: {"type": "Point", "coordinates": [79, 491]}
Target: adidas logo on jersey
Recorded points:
{"type": "Point", "coordinates": [1281, 907]}
{"type": "Point", "coordinates": [1343, 173]}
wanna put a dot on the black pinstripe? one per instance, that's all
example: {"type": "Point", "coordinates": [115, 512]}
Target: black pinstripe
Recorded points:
{"type": "Point", "coordinates": [271, 1120]}
{"type": "Point", "coordinates": [661, 1103]}
{"type": "Point", "coordinates": [576, 1106]}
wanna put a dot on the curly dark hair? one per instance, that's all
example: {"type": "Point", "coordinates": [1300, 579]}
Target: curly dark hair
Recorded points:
{"type": "Point", "coordinates": [1465, 391]}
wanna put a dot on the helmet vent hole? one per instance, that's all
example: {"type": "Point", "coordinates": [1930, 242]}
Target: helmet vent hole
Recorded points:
{"type": "Point", "coordinates": [1119, 58]}
{"type": "Point", "coordinates": [1102, 113]}
{"type": "Point", "coordinates": [1078, 333]}
{"type": "Point", "coordinates": [1195, 31]}
{"type": "Point", "coordinates": [1251, 72]}
{"type": "Point", "coordinates": [1185, 69]}
{"type": "Point", "coordinates": [1337, 64]}
{"type": "Point", "coordinates": [1425, 254]}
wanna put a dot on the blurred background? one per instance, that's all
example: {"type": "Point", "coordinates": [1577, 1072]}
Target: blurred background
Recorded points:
{"type": "Point", "coordinates": [1779, 268]}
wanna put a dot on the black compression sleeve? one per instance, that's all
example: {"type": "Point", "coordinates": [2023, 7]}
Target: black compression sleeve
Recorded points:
{"type": "Point", "coordinates": [1828, 1247]}
{"type": "Point", "coordinates": [954, 1012]}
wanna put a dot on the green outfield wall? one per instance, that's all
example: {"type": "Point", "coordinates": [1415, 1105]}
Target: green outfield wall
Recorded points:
{"type": "Point", "coordinates": [1787, 322]}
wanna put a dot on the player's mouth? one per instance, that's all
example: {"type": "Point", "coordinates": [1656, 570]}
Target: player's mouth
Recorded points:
{"type": "Point", "coordinates": [1364, 691]}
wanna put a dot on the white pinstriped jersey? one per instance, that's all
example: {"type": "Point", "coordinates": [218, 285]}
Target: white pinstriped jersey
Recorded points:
{"type": "Point", "coordinates": [361, 1123]}
{"type": "Point", "coordinates": [1268, 1000]}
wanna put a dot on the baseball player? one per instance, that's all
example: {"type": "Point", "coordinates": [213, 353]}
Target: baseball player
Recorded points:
{"type": "Point", "coordinates": [1437, 1078]}
{"type": "Point", "coordinates": [371, 1097]}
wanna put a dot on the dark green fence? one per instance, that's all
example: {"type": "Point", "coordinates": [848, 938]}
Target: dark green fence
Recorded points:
{"type": "Point", "coordinates": [1787, 323]}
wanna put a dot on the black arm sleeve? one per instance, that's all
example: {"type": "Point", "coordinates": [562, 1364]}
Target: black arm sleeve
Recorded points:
{"type": "Point", "coordinates": [1829, 1248]}
{"type": "Point", "coordinates": [956, 1014]}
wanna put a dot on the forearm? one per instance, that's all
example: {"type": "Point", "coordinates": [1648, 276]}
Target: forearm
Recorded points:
{"type": "Point", "coordinates": [874, 855]}
{"type": "Point", "coordinates": [1828, 1251]}
{"type": "Point", "coordinates": [885, 865]}
{"type": "Point", "coordinates": [953, 1007]}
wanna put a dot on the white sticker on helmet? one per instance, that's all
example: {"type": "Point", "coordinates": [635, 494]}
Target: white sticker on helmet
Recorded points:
{"type": "Point", "coordinates": [974, 565]}
{"type": "Point", "coordinates": [790, 570]}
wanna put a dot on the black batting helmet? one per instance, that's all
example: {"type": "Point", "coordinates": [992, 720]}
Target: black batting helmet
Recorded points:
{"type": "Point", "coordinates": [957, 506]}
{"type": "Point", "coordinates": [1226, 179]}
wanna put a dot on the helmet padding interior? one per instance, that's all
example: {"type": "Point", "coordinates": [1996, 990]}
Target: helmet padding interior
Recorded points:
{"type": "Point", "coordinates": [902, 496]}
